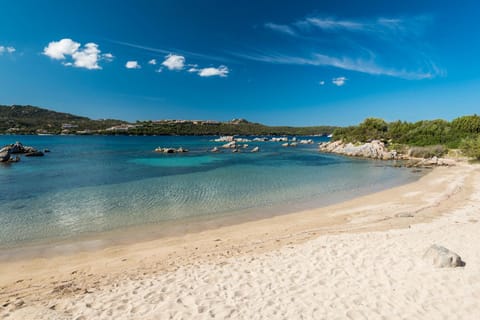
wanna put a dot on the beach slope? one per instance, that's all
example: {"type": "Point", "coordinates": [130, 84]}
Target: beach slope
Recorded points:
{"type": "Point", "coordinates": [360, 259]}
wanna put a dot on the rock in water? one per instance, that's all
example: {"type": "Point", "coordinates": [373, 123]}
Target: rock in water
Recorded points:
{"type": "Point", "coordinates": [4, 155]}
{"type": "Point", "coordinates": [441, 257]}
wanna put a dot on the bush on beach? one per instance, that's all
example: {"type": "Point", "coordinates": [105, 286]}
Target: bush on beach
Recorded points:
{"type": "Point", "coordinates": [471, 147]}
{"type": "Point", "coordinates": [427, 152]}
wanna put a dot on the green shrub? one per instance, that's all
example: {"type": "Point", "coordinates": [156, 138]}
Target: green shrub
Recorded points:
{"type": "Point", "coordinates": [427, 152]}
{"type": "Point", "coordinates": [471, 147]}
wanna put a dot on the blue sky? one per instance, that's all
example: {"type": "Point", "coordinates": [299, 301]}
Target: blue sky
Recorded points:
{"type": "Point", "coordinates": [275, 62]}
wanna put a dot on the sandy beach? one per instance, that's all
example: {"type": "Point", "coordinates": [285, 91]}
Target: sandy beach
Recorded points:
{"type": "Point", "coordinates": [360, 259]}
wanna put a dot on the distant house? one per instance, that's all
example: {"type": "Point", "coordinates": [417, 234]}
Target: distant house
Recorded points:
{"type": "Point", "coordinates": [121, 127]}
{"type": "Point", "coordinates": [194, 122]}
{"type": "Point", "coordinates": [212, 122]}
{"type": "Point", "coordinates": [69, 126]}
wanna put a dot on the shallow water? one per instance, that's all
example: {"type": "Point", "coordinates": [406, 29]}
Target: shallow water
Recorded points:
{"type": "Point", "coordinates": [91, 184]}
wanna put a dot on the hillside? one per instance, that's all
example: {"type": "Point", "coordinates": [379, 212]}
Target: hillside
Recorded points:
{"type": "Point", "coordinates": [31, 120]}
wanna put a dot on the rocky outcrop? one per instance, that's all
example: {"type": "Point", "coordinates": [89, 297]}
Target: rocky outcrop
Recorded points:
{"type": "Point", "coordinates": [433, 161]}
{"type": "Point", "coordinates": [170, 150]}
{"type": "Point", "coordinates": [17, 148]}
{"type": "Point", "coordinates": [5, 155]}
{"type": "Point", "coordinates": [377, 150]}
{"type": "Point", "coordinates": [230, 145]}
{"type": "Point", "coordinates": [373, 150]}
{"type": "Point", "coordinates": [441, 257]}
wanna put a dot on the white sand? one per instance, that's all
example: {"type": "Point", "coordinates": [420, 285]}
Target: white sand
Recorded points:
{"type": "Point", "coordinates": [370, 275]}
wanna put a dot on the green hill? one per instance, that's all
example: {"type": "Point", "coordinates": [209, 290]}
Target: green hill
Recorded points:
{"type": "Point", "coordinates": [31, 120]}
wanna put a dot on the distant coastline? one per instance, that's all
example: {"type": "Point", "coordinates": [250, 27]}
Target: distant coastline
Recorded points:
{"type": "Point", "coordinates": [22, 120]}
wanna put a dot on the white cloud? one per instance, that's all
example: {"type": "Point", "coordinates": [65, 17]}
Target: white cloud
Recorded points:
{"type": "Point", "coordinates": [184, 53]}
{"type": "Point", "coordinates": [132, 65]}
{"type": "Point", "coordinates": [346, 63]}
{"type": "Point", "coordinates": [174, 62]}
{"type": "Point", "coordinates": [59, 49]}
{"type": "Point", "coordinates": [86, 57]}
{"type": "Point", "coordinates": [221, 71]}
{"type": "Point", "coordinates": [7, 49]}
{"type": "Point", "coordinates": [193, 69]}
{"type": "Point", "coordinates": [280, 28]}
{"type": "Point", "coordinates": [332, 24]}
{"type": "Point", "coordinates": [321, 83]}
{"type": "Point", "coordinates": [339, 81]}
{"type": "Point", "coordinates": [392, 47]}
{"type": "Point", "coordinates": [108, 57]}
{"type": "Point", "coordinates": [153, 62]}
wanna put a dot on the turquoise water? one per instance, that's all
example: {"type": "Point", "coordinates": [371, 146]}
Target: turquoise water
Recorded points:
{"type": "Point", "coordinates": [91, 184]}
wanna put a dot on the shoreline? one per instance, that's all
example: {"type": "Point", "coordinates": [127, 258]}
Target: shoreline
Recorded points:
{"type": "Point", "coordinates": [38, 281]}
{"type": "Point", "coordinates": [94, 241]}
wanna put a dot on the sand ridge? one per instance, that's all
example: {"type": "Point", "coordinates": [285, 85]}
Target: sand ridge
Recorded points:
{"type": "Point", "coordinates": [342, 261]}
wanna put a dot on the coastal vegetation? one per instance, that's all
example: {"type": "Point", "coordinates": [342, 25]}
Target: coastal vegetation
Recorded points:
{"type": "Point", "coordinates": [437, 135]}
{"type": "Point", "coordinates": [33, 120]}
{"type": "Point", "coordinates": [241, 127]}
{"type": "Point", "coordinates": [471, 147]}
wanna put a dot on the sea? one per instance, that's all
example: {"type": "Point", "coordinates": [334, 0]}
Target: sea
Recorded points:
{"type": "Point", "coordinates": [88, 185]}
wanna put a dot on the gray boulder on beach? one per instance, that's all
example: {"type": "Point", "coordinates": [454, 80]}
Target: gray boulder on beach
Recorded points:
{"type": "Point", "coordinates": [441, 257]}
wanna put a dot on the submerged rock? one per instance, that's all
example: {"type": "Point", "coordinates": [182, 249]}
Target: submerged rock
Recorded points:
{"type": "Point", "coordinates": [34, 154]}
{"type": "Point", "coordinates": [441, 257]}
